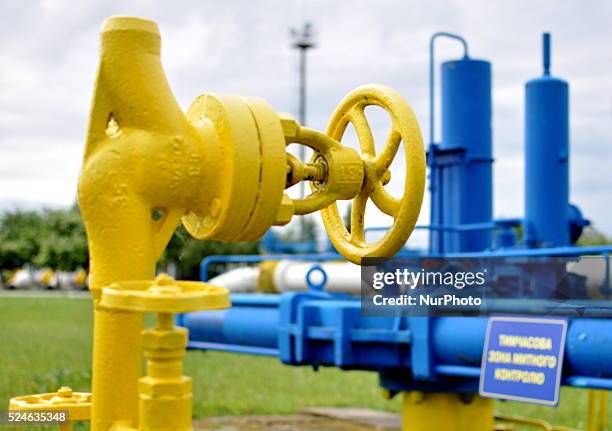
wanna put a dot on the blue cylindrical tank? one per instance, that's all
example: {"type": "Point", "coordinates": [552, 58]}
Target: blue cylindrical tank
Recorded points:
{"type": "Point", "coordinates": [463, 161]}
{"type": "Point", "coordinates": [466, 107]}
{"type": "Point", "coordinates": [546, 158]}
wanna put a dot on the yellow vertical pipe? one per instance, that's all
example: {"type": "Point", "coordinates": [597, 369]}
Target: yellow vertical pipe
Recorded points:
{"type": "Point", "coordinates": [603, 410]}
{"type": "Point", "coordinates": [138, 143]}
{"type": "Point", "coordinates": [117, 354]}
{"type": "Point", "coordinates": [592, 411]}
{"type": "Point", "coordinates": [446, 411]}
{"type": "Point", "coordinates": [597, 410]}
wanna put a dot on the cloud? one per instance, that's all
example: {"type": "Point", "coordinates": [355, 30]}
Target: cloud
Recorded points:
{"type": "Point", "coordinates": [49, 53]}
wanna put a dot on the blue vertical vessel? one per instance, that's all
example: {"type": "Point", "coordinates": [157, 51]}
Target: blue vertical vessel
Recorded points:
{"type": "Point", "coordinates": [547, 158]}
{"type": "Point", "coordinates": [461, 164]}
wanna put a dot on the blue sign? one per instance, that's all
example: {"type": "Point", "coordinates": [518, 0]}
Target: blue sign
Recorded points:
{"type": "Point", "coordinates": [522, 359]}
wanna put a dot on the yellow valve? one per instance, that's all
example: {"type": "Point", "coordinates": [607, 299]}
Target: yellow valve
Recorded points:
{"type": "Point", "coordinates": [221, 169]}
{"type": "Point", "coordinates": [164, 392]}
{"type": "Point", "coordinates": [360, 177]}
{"type": "Point", "coordinates": [165, 295]}
{"type": "Point", "coordinates": [77, 405]}
{"type": "Point", "coordinates": [224, 163]}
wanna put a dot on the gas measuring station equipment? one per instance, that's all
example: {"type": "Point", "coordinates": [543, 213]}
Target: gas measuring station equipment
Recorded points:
{"type": "Point", "coordinates": [221, 169]}
{"type": "Point", "coordinates": [437, 362]}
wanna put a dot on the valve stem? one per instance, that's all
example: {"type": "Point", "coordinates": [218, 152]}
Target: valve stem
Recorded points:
{"type": "Point", "coordinates": [298, 171]}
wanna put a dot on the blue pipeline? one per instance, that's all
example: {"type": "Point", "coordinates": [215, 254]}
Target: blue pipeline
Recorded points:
{"type": "Point", "coordinates": [249, 326]}
{"type": "Point", "coordinates": [498, 224]}
{"type": "Point", "coordinates": [322, 329]}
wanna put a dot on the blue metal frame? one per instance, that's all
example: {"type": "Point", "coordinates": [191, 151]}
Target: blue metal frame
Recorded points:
{"type": "Point", "coordinates": [324, 329]}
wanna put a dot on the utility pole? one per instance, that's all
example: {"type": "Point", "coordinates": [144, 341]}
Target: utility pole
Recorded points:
{"type": "Point", "coordinates": [302, 40]}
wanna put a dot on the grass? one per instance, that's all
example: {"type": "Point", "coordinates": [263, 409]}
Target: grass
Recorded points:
{"type": "Point", "coordinates": [46, 343]}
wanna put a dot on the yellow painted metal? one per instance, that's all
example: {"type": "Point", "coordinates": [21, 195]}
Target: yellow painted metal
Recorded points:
{"type": "Point", "coordinates": [265, 280]}
{"type": "Point", "coordinates": [341, 167]}
{"type": "Point", "coordinates": [146, 166]}
{"type": "Point", "coordinates": [531, 423]}
{"type": "Point", "coordinates": [221, 169]}
{"type": "Point", "coordinates": [76, 404]}
{"type": "Point", "coordinates": [597, 419]}
{"type": "Point", "coordinates": [251, 168]}
{"type": "Point", "coordinates": [405, 210]}
{"type": "Point", "coordinates": [165, 295]}
{"type": "Point", "coordinates": [142, 158]}
{"type": "Point", "coordinates": [165, 393]}
{"type": "Point", "coordinates": [165, 399]}
{"type": "Point", "coordinates": [445, 411]}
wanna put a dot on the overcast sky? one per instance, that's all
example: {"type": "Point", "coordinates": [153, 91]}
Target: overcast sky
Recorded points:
{"type": "Point", "coordinates": [49, 53]}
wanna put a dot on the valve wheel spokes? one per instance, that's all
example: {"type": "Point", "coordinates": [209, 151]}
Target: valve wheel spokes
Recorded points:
{"type": "Point", "coordinates": [405, 210]}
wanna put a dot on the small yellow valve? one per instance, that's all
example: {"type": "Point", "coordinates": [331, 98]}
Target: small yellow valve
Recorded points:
{"type": "Point", "coordinates": [164, 392]}
{"type": "Point", "coordinates": [77, 405]}
{"type": "Point", "coordinates": [165, 295]}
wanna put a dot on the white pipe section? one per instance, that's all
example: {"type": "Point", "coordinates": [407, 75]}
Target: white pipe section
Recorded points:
{"type": "Point", "coordinates": [239, 280]}
{"type": "Point", "coordinates": [290, 275]}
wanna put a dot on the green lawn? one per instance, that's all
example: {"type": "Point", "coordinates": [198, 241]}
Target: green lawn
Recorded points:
{"type": "Point", "coordinates": [46, 343]}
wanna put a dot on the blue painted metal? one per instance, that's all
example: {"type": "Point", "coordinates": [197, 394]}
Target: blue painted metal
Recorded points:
{"type": "Point", "coordinates": [503, 223]}
{"type": "Point", "coordinates": [534, 252]}
{"type": "Point", "coordinates": [546, 53]}
{"type": "Point", "coordinates": [577, 223]}
{"type": "Point", "coordinates": [249, 326]}
{"type": "Point", "coordinates": [461, 164]}
{"type": "Point", "coordinates": [324, 329]}
{"type": "Point", "coordinates": [432, 77]}
{"type": "Point", "coordinates": [547, 158]}
{"type": "Point", "coordinates": [505, 238]}
{"type": "Point", "coordinates": [313, 285]}
{"type": "Point", "coordinates": [271, 243]}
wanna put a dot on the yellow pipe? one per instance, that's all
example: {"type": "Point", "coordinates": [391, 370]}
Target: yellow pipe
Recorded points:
{"type": "Point", "coordinates": [597, 409]}
{"type": "Point", "coordinates": [141, 156]}
{"type": "Point", "coordinates": [592, 411]}
{"type": "Point", "coordinates": [446, 411]}
{"type": "Point", "coordinates": [603, 410]}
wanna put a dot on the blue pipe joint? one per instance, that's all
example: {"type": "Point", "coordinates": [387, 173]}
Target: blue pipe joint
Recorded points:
{"type": "Point", "coordinates": [317, 286]}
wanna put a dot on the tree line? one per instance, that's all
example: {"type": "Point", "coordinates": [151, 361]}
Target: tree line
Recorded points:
{"type": "Point", "coordinates": [56, 239]}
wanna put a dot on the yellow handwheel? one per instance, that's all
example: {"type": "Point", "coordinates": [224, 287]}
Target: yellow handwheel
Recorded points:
{"type": "Point", "coordinates": [405, 211]}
